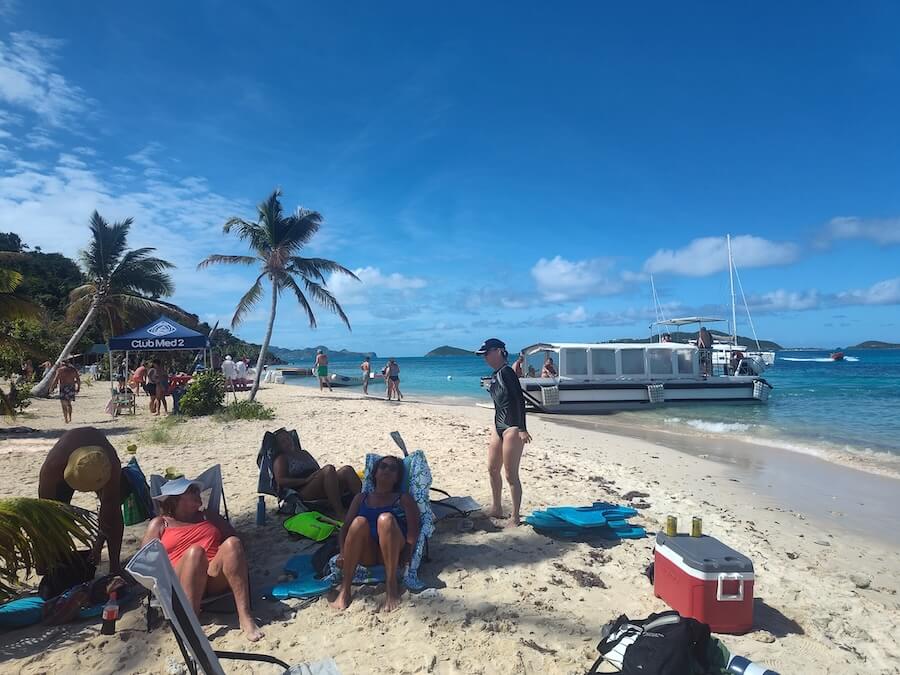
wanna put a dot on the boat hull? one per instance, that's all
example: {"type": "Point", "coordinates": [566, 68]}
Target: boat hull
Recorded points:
{"type": "Point", "coordinates": [586, 398]}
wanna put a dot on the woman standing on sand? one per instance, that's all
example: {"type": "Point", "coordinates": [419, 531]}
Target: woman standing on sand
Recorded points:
{"type": "Point", "coordinates": [509, 435]}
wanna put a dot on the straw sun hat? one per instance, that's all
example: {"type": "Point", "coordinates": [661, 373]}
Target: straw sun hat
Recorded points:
{"type": "Point", "coordinates": [88, 469]}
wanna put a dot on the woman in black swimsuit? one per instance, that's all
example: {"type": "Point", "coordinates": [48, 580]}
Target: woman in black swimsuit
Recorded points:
{"type": "Point", "coordinates": [509, 435]}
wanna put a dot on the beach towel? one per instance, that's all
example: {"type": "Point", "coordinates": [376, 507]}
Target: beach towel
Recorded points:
{"type": "Point", "coordinates": [416, 482]}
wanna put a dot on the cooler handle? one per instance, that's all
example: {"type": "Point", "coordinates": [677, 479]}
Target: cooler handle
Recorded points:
{"type": "Point", "coordinates": [727, 597]}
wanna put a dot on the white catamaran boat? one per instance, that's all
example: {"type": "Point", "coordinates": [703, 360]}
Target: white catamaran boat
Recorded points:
{"type": "Point", "coordinates": [615, 376]}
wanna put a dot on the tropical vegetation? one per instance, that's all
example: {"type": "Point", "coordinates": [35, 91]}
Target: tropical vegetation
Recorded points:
{"type": "Point", "coordinates": [245, 409]}
{"type": "Point", "coordinates": [121, 287]}
{"type": "Point", "coordinates": [275, 240]}
{"type": "Point", "coordinates": [38, 534]}
{"type": "Point", "coordinates": [204, 395]}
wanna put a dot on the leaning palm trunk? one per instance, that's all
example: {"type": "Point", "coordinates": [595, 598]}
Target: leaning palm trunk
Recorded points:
{"type": "Point", "coordinates": [42, 388]}
{"type": "Point", "coordinates": [265, 345]}
{"type": "Point", "coordinates": [39, 534]}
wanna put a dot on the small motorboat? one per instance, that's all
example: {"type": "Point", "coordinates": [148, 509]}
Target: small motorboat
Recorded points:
{"type": "Point", "coordinates": [338, 380]}
{"type": "Point", "coordinates": [837, 356]}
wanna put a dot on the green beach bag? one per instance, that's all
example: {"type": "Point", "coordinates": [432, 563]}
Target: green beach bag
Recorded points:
{"type": "Point", "coordinates": [312, 525]}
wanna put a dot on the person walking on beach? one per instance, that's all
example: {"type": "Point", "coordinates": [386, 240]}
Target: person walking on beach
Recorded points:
{"type": "Point", "coordinates": [69, 383]}
{"type": "Point", "coordinates": [366, 368]}
{"type": "Point", "coordinates": [509, 435]}
{"type": "Point", "coordinates": [229, 371]}
{"type": "Point", "coordinates": [322, 370]}
{"type": "Point", "coordinates": [83, 460]}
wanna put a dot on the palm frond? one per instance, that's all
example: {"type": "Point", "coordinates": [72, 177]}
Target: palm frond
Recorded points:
{"type": "Point", "coordinates": [287, 281]}
{"type": "Point", "coordinates": [246, 303]}
{"type": "Point", "coordinates": [82, 291]}
{"type": "Point", "coordinates": [300, 228]}
{"type": "Point", "coordinates": [108, 243]}
{"type": "Point", "coordinates": [9, 280]}
{"type": "Point", "coordinates": [77, 309]}
{"type": "Point", "coordinates": [39, 533]}
{"type": "Point", "coordinates": [325, 298]}
{"type": "Point", "coordinates": [316, 267]}
{"type": "Point", "coordinates": [217, 259]}
{"type": "Point", "coordinates": [14, 306]}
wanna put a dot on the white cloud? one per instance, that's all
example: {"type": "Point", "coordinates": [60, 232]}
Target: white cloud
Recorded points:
{"type": "Point", "coordinates": [39, 139]}
{"type": "Point", "coordinates": [28, 80]}
{"type": "Point", "coordinates": [885, 292]}
{"type": "Point", "coordinates": [559, 279]}
{"type": "Point", "coordinates": [883, 231]}
{"type": "Point", "coordinates": [577, 315]}
{"type": "Point", "coordinates": [709, 255]}
{"type": "Point", "coordinates": [373, 285]}
{"type": "Point", "coordinates": [144, 156]}
{"type": "Point", "coordinates": [782, 300]}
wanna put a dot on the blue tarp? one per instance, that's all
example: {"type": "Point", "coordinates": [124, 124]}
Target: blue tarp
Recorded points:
{"type": "Point", "coordinates": [161, 335]}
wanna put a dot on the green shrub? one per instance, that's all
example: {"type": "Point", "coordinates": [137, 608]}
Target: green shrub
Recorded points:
{"type": "Point", "coordinates": [246, 410]}
{"type": "Point", "coordinates": [204, 395]}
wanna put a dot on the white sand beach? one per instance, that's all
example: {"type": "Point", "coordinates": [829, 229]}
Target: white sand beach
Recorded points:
{"type": "Point", "coordinates": [507, 600]}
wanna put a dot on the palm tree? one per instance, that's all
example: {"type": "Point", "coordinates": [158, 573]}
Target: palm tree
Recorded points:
{"type": "Point", "coordinates": [275, 240]}
{"type": "Point", "coordinates": [122, 286]}
{"type": "Point", "coordinates": [39, 533]}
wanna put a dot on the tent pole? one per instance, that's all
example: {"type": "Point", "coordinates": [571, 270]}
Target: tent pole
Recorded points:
{"type": "Point", "coordinates": [110, 367]}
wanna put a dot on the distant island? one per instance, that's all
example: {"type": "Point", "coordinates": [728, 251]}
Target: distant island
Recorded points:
{"type": "Point", "coordinates": [447, 350]}
{"type": "Point", "coordinates": [876, 344]}
{"type": "Point", "coordinates": [750, 343]}
{"type": "Point", "coordinates": [309, 354]}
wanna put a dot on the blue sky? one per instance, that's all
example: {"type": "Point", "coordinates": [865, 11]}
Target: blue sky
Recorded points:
{"type": "Point", "coordinates": [515, 170]}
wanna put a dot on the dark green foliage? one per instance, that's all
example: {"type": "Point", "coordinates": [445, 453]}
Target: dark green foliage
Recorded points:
{"type": "Point", "coordinates": [204, 396]}
{"type": "Point", "coordinates": [246, 410]}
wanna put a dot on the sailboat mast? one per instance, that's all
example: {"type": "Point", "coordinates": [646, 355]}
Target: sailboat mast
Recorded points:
{"type": "Point", "coordinates": [731, 280]}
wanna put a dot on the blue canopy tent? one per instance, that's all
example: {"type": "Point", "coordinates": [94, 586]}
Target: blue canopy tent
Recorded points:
{"type": "Point", "coordinates": [161, 335]}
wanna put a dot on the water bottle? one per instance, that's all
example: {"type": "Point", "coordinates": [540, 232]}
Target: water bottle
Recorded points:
{"type": "Point", "coordinates": [110, 615]}
{"type": "Point", "coordinates": [741, 665]}
{"type": "Point", "coordinates": [261, 511]}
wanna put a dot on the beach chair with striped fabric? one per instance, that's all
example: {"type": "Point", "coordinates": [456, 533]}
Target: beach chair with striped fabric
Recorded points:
{"type": "Point", "coordinates": [150, 567]}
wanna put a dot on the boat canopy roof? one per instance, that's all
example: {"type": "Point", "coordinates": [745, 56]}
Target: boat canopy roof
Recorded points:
{"type": "Point", "coordinates": [556, 346]}
{"type": "Point", "coordinates": [683, 321]}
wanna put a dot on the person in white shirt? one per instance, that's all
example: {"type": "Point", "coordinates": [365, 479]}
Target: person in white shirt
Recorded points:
{"type": "Point", "coordinates": [229, 371]}
{"type": "Point", "coordinates": [240, 369]}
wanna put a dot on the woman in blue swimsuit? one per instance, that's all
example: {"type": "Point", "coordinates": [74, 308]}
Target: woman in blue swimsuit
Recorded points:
{"type": "Point", "coordinates": [379, 528]}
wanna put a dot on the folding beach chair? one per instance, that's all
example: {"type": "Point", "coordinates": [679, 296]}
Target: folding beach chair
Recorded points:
{"type": "Point", "coordinates": [213, 495]}
{"type": "Point", "coordinates": [266, 484]}
{"type": "Point", "coordinates": [124, 401]}
{"type": "Point", "coordinates": [150, 567]}
{"type": "Point", "coordinates": [213, 492]}
{"type": "Point", "coordinates": [416, 482]}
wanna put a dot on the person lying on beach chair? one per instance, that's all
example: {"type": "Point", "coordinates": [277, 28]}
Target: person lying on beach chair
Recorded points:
{"type": "Point", "coordinates": [293, 468]}
{"type": "Point", "coordinates": [381, 528]}
{"type": "Point", "coordinates": [204, 549]}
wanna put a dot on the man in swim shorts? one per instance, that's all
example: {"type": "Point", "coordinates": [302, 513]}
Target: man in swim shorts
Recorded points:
{"type": "Point", "coordinates": [322, 370]}
{"type": "Point", "coordinates": [69, 383]}
{"type": "Point", "coordinates": [83, 460]}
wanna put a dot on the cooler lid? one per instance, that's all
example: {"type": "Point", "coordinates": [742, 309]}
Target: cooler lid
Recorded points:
{"type": "Point", "coordinates": [705, 553]}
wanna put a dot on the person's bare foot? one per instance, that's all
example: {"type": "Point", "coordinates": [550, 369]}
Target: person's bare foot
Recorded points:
{"type": "Point", "coordinates": [342, 601]}
{"type": "Point", "coordinates": [495, 513]}
{"type": "Point", "coordinates": [514, 521]}
{"type": "Point", "coordinates": [251, 630]}
{"type": "Point", "coordinates": [391, 602]}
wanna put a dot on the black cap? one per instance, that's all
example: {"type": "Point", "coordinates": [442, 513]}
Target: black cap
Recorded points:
{"type": "Point", "coordinates": [489, 344]}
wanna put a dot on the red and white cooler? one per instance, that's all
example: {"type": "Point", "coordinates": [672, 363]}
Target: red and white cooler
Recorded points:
{"type": "Point", "coordinates": [701, 577]}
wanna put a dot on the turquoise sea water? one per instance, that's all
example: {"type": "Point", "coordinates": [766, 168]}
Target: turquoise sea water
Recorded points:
{"type": "Point", "coordinates": [851, 406]}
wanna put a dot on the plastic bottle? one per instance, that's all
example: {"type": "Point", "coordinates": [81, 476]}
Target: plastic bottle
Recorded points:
{"type": "Point", "coordinates": [741, 665]}
{"type": "Point", "coordinates": [261, 511]}
{"type": "Point", "coordinates": [110, 615]}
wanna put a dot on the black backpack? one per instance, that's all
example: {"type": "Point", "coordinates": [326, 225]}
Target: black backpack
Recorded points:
{"type": "Point", "coordinates": [662, 644]}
